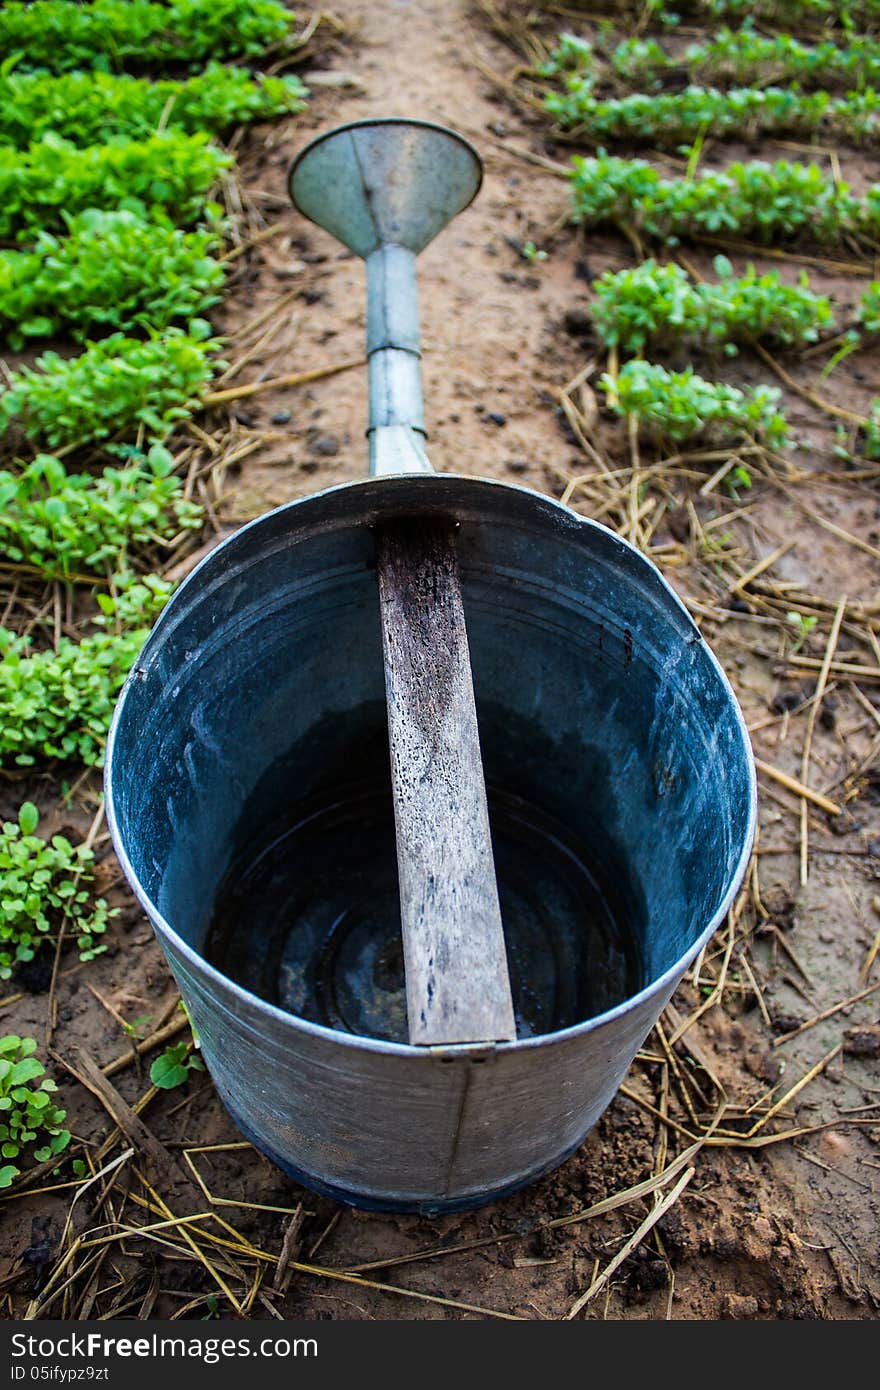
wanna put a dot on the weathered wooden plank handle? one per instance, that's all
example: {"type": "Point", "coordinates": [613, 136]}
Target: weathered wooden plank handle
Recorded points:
{"type": "Point", "coordinates": [457, 981]}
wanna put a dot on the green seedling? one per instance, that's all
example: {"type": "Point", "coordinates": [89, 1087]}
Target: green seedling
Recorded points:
{"type": "Point", "coordinates": [871, 434]}
{"type": "Point", "coordinates": [173, 1066]}
{"type": "Point", "coordinates": [739, 479]}
{"type": "Point", "coordinates": [803, 625]}
{"type": "Point", "coordinates": [135, 1029]}
{"type": "Point", "coordinates": [868, 313]}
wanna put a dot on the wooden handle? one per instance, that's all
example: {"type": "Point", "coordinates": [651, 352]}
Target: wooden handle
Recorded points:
{"type": "Point", "coordinates": [457, 982]}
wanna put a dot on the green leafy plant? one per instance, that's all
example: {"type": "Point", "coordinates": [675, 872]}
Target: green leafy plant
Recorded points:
{"type": "Point", "coordinates": [45, 884]}
{"type": "Point", "coordinates": [109, 34]}
{"type": "Point", "coordinates": [28, 1118]}
{"type": "Point", "coordinates": [166, 177]}
{"type": "Point", "coordinates": [173, 1066]}
{"type": "Point", "coordinates": [680, 407]}
{"type": "Point", "coordinates": [671, 118]}
{"type": "Point", "coordinates": [119, 384]}
{"type": "Point", "coordinates": [86, 107]}
{"type": "Point", "coordinates": [737, 480]}
{"type": "Point", "coordinates": [636, 306]}
{"type": "Point", "coordinates": [63, 523]}
{"type": "Point", "coordinates": [112, 270]}
{"type": "Point", "coordinates": [58, 704]}
{"type": "Point", "coordinates": [760, 201]}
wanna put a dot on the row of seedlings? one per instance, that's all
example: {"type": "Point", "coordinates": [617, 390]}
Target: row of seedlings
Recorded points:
{"type": "Point", "coordinates": [113, 253]}
{"type": "Point", "coordinates": [585, 86]}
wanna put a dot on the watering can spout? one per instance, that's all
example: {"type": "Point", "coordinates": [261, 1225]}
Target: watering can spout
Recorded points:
{"type": "Point", "coordinates": [380, 182]}
{"type": "Point", "coordinates": [385, 189]}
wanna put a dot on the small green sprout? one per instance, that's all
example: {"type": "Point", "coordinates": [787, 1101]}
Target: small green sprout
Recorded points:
{"type": "Point", "coordinates": [803, 625]}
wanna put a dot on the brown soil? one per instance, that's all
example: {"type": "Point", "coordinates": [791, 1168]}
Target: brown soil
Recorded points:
{"type": "Point", "coordinates": [780, 1231]}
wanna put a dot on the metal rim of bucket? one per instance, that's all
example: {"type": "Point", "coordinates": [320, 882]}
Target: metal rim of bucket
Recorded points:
{"type": "Point", "coordinates": [387, 121]}
{"type": "Point", "coordinates": [672, 975]}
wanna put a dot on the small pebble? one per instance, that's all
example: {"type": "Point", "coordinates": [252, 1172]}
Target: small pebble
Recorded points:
{"type": "Point", "coordinates": [326, 447]}
{"type": "Point", "coordinates": [281, 417]}
{"type": "Point", "coordinates": [496, 417]}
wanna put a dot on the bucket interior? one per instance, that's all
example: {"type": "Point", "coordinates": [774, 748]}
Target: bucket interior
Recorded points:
{"type": "Point", "coordinates": [249, 764]}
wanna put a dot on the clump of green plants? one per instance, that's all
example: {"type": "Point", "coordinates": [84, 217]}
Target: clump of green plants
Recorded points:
{"type": "Point", "coordinates": [46, 885]}
{"type": "Point", "coordinates": [166, 178]}
{"type": "Point", "coordinates": [86, 107]}
{"type": "Point", "coordinates": [110, 34]}
{"type": "Point", "coordinates": [681, 407]}
{"type": "Point", "coordinates": [760, 201]}
{"type": "Point", "coordinates": [59, 703]}
{"type": "Point", "coordinates": [672, 118]}
{"type": "Point", "coordinates": [29, 1119]}
{"type": "Point", "coordinates": [112, 270]}
{"type": "Point", "coordinates": [637, 306]}
{"type": "Point", "coordinates": [63, 523]}
{"type": "Point", "coordinates": [117, 385]}
{"type": "Point", "coordinates": [744, 55]}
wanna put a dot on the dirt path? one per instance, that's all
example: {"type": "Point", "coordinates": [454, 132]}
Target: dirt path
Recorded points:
{"type": "Point", "coordinates": [783, 1231]}
{"type": "Point", "coordinates": [489, 320]}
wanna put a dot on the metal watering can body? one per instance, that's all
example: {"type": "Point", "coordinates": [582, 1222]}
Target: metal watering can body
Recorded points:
{"type": "Point", "coordinates": [262, 683]}
{"type": "Point", "coordinates": [617, 784]}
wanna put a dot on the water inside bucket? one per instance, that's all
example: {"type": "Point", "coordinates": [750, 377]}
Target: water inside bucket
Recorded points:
{"type": "Point", "coordinates": [307, 916]}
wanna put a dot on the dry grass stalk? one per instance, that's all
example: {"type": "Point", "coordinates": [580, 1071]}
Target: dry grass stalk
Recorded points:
{"type": "Point", "coordinates": [660, 1209]}
{"type": "Point", "coordinates": [811, 724]}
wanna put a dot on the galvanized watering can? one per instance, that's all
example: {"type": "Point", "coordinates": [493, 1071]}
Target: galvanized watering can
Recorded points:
{"type": "Point", "coordinates": [425, 890]}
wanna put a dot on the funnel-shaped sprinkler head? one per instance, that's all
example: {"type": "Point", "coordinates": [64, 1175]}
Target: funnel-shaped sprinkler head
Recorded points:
{"type": "Point", "coordinates": [392, 181]}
